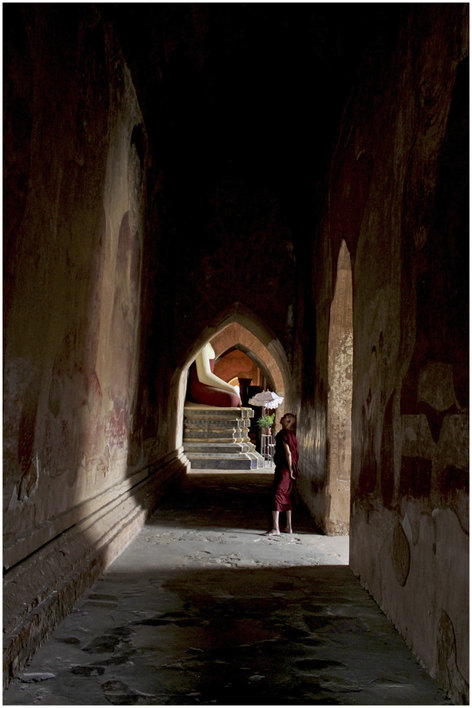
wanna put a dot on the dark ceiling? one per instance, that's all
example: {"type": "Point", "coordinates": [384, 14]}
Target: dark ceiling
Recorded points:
{"type": "Point", "coordinates": [249, 93]}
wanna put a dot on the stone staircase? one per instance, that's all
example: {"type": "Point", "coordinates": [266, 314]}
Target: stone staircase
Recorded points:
{"type": "Point", "coordinates": [218, 438]}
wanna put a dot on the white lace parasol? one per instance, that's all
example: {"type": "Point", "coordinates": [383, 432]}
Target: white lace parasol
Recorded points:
{"type": "Point", "coordinates": [266, 399]}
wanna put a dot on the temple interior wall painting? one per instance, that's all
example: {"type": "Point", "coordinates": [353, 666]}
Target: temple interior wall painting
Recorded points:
{"type": "Point", "coordinates": [286, 185]}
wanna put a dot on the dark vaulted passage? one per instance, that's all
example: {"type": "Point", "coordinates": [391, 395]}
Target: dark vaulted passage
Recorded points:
{"type": "Point", "coordinates": [289, 182]}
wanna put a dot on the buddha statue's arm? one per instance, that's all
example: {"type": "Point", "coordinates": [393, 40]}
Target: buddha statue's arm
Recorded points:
{"type": "Point", "coordinates": [204, 372]}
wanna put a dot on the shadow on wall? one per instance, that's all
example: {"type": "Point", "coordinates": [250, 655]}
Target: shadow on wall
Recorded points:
{"type": "Point", "coordinates": [77, 484]}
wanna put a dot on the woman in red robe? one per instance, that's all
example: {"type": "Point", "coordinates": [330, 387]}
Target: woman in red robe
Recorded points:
{"type": "Point", "coordinates": [286, 473]}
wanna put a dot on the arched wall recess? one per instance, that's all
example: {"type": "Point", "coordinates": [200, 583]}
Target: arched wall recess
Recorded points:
{"type": "Point", "coordinates": [340, 359]}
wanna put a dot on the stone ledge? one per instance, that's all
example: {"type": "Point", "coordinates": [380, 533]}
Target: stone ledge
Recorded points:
{"type": "Point", "coordinates": [217, 413]}
{"type": "Point", "coordinates": [35, 538]}
{"type": "Point", "coordinates": [236, 423]}
{"type": "Point", "coordinates": [220, 440]}
{"type": "Point", "coordinates": [193, 447]}
{"type": "Point", "coordinates": [217, 436]}
{"type": "Point", "coordinates": [219, 462]}
{"type": "Point", "coordinates": [35, 602]}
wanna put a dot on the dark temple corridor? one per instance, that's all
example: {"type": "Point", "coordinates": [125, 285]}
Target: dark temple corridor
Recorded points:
{"type": "Point", "coordinates": [253, 199]}
{"type": "Point", "coordinates": [201, 608]}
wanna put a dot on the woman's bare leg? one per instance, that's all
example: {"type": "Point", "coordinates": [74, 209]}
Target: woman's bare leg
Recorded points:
{"type": "Point", "coordinates": [288, 528]}
{"type": "Point", "coordinates": [275, 531]}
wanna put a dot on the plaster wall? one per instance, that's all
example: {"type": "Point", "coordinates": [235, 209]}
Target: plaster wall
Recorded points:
{"type": "Point", "coordinates": [74, 317]}
{"type": "Point", "coordinates": [340, 399]}
{"type": "Point", "coordinates": [73, 253]}
{"type": "Point", "coordinates": [311, 374]}
{"type": "Point", "coordinates": [236, 363]}
{"type": "Point", "coordinates": [397, 197]}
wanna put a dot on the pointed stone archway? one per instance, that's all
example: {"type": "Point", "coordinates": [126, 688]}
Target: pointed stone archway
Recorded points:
{"type": "Point", "coordinates": [238, 324]}
{"type": "Point", "coordinates": [236, 335]}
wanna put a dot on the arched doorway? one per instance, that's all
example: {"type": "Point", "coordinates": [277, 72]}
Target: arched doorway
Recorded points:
{"type": "Point", "coordinates": [239, 328]}
{"type": "Point", "coordinates": [236, 337]}
{"type": "Point", "coordinates": [236, 363]}
{"type": "Point", "coordinates": [340, 357]}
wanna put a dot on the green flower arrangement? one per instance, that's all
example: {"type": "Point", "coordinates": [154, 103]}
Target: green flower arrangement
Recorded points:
{"type": "Point", "coordinates": [266, 420]}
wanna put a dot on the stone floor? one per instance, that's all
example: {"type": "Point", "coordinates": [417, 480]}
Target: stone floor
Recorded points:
{"type": "Point", "coordinates": [202, 608]}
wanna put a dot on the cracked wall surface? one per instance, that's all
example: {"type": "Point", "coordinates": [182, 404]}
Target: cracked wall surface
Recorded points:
{"type": "Point", "coordinates": [78, 469]}
{"type": "Point", "coordinates": [398, 197]}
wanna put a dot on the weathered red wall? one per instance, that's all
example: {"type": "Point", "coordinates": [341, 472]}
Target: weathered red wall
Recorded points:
{"type": "Point", "coordinates": [75, 170]}
{"type": "Point", "coordinates": [398, 197]}
{"type": "Point", "coordinates": [236, 363]}
{"type": "Point", "coordinates": [104, 310]}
